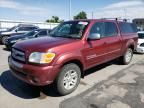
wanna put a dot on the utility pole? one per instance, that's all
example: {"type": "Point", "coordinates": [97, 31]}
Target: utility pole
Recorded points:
{"type": "Point", "coordinates": [92, 14]}
{"type": "Point", "coordinates": [125, 13]}
{"type": "Point", "coordinates": [69, 9]}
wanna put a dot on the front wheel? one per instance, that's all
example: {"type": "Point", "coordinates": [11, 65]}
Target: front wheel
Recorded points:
{"type": "Point", "coordinates": [127, 57]}
{"type": "Point", "coordinates": [68, 79]}
{"type": "Point", "coordinates": [4, 38]}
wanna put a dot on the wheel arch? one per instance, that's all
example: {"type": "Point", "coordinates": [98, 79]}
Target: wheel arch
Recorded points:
{"type": "Point", "coordinates": [71, 58]}
{"type": "Point", "coordinates": [78, 63]}
{"type": "Point", "coordinates": [131, 44]}
{"type": "Point", "coordinates": [132, 47]}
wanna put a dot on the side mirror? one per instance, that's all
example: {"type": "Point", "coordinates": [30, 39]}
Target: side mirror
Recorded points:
{"type": "Point", "coordinates": [94, 36]}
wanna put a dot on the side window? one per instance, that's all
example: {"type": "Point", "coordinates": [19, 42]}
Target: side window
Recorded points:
{"type": "Point", "coordinates": [21, 29]}
{"type": "Point", "coordinates": [31, 28]}
{"type": "Point", "coordinates": [134, 27]}
{"type": "Point", "coordinates": [98, 27]}
{"type": "Point", "coordinates": [127, 27]}
{"type": "Point", "coordinates": [42, 33]}
{"type": "Point", "coordinates": [110, 29]}
{"type": "Point", "coordinates": [26, 28]}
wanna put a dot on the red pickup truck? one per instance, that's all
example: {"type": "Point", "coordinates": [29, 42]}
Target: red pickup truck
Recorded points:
{"type": "Point", "coordinates": [72, 48]}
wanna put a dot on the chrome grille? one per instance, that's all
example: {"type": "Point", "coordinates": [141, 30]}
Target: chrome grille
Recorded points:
{"type": "Point", "coordinates": [18, 55]}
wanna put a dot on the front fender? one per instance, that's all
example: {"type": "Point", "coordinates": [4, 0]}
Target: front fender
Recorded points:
{"type": "Point", "coordinates": [67, 57]}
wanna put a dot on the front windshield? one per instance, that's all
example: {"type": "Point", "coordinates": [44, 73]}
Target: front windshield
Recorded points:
{"type": "Point", "coordinates": [32, 33]}
{"type": "Point", "coordinates": [71, 29]}
{"type": "Point", "coordinates": [141, 35]}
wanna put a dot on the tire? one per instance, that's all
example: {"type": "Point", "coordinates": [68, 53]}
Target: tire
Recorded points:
{"type": "Point", "coordinates": [127, 57]}
{"type": "Point", "coordinates": [66, 83]}
{"type": "Point", "coordinates": [4, 39]}
{"type": "Point", "coordinates": [0, 40]}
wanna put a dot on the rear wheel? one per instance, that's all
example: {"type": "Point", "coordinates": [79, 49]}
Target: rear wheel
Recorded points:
{"type": "Point", "coordinates": [68, 79]}
{"type": "Point", "coordinates": [4, 39]}
{"type": "Point", "coordinates": [127, 57]}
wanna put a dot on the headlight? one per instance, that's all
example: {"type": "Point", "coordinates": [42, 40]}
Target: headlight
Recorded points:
{"type": "Point", "coordinates": [42, 58]}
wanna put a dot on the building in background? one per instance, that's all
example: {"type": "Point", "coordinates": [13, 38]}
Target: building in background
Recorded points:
{"type": "Point", "coordinates": [140, 23]}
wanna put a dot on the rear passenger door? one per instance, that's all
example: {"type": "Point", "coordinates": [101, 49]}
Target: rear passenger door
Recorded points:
{"type": "Point", "coordinates": [114, 41]}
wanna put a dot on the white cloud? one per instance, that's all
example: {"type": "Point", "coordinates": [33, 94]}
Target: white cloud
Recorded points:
{"type": "Point", "coordinates": [125, 9]}
{"type": "Point", "coordinates": [23, 9]}
{"type": "Point", "coordinates": [40, 13]}
{"type": "Point", "coordinates": [125, 4]}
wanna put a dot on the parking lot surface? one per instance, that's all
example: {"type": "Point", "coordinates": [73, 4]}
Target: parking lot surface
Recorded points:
{"type": "Point", "coordinates": [122, 90]}
{"type": "Point", "coordinates": [107, 85]}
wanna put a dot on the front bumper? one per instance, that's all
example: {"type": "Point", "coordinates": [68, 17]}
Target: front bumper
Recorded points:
{"type": "Point", "coordinates": [140, 49]}
{"type": "Point", "coordinates": [34, 75]}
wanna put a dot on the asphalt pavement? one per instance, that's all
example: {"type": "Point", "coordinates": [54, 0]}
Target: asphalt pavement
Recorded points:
{"type": "Point", "coordinates": [122, 90]}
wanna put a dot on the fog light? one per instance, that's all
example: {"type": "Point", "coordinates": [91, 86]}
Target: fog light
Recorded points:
{"type": "Point", "coordinates": [34, 79]}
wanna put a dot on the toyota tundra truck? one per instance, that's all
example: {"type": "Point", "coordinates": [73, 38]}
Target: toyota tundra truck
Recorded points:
{"type": "Point", "coordinates": [72, 48]}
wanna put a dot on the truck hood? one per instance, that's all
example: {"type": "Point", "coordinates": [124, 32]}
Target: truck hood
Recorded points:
{"type": "Point", "coordinates": [42, 44]}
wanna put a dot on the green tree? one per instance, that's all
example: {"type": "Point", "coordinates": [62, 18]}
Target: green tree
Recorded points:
{"type": "Point", "coordinates": [81, 15]}
{"type": "Point", "coordinates": [54, 19]}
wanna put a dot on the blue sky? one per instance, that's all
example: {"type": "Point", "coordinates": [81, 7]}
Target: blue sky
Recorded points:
{"type": "Point", "coordinates": [40, 10]}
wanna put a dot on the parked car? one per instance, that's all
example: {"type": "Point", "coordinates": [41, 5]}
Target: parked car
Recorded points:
{"type": "Point", "coordinates": [20, 29]}
{"type": "Point", "coordinates": [72, 48]}
{"type": "Point", "coordinates": [30, 35]}
{"type": "Point", "coordinates": [140, 45]}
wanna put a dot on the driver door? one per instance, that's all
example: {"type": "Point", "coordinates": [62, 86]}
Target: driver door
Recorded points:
{"type": "Point", "coordinates": [96, 50]}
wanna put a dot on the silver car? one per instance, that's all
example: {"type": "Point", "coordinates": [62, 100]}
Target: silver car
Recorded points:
{"type": "Point", "coordinates": [16, 30]}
